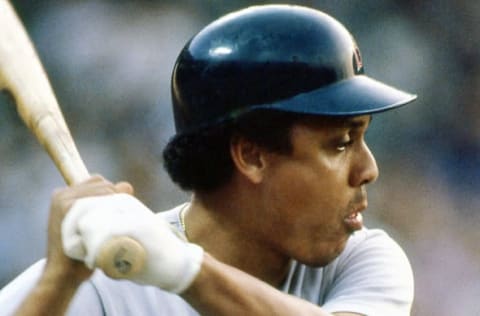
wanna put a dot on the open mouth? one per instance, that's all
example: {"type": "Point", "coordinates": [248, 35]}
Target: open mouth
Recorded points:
{"type": "Point", "coordinates": [354, 221]}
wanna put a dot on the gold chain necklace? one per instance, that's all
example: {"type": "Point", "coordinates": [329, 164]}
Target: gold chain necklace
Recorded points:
{"type": "Point", "coordinates": [182, 220]}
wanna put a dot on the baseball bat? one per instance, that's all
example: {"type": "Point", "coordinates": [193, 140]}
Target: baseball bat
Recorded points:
{"type": "Point", "coordinates": [23, 76]}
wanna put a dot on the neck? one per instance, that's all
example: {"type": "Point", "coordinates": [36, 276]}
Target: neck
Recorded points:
{"type": "Point", "coordinates": [224, 227]}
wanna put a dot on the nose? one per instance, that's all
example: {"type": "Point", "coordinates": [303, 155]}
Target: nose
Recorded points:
{"type": "Point", "coordinates": [365, 169]}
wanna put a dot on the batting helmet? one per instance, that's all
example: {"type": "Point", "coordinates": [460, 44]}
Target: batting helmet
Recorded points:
{"type": "Point", "coordinates": [279, 57]}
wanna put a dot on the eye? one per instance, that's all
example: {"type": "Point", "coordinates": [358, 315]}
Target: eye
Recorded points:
{"type": "Point", "coordinates": [344, 144]}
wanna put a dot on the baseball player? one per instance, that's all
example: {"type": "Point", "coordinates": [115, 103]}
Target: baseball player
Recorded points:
{"type": "Point", "coordinates": [271, 105]}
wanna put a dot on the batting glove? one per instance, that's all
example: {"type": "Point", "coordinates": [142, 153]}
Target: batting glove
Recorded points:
{"type": "Point", "coordinates": [172, 263]}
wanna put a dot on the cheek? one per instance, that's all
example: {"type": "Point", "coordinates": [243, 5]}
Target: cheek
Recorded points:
{"type": "Point", "coordinates": [293, 187]}
{"type": "Point", "coordinates": [301, 200]}
{"type": "Point", "coordinates": [302, 187]}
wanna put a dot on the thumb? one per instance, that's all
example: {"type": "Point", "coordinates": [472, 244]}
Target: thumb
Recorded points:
{"type": "Point", "coordinates": [124, 187]}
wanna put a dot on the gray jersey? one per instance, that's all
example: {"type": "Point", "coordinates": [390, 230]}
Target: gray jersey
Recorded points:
{"type": "Point", "coordinates": [372, 276]}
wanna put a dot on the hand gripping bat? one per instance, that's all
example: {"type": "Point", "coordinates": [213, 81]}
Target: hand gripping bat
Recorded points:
{"type": "Point", "coordinates": [22, 74]}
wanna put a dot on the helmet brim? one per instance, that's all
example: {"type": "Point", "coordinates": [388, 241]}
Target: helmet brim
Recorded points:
{"type": "Point", "coordinates": [358, 95]}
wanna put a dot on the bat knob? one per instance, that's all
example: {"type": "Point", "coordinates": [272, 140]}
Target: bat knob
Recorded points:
{"type": "Point", "coordinates": [121, 257]}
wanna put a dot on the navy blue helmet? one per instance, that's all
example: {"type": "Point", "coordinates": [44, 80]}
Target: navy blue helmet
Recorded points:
{"type": "Point", "coordinates": [280, 57]}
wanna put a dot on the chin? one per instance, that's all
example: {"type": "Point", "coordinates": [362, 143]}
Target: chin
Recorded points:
{"type": "Point", "coordinates": [324, 256]}
{"type": "Point", "coordinates": [319, 263]}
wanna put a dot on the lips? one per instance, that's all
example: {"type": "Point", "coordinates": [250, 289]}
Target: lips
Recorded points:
{"type": "Point", "coordinates": [354, 220]}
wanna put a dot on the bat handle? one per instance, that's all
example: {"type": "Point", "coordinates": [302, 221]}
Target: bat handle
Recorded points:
{"type": "Point", "coordinates": [58, 142]}
{"type": "Point", "coordinates": [120, 257]}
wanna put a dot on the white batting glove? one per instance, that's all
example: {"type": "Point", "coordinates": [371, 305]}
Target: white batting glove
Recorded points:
{"type": "Point", "coordinates": [172, 264]}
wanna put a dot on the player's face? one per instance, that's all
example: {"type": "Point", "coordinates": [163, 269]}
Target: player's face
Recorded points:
{"type": "Point", "coordinates": [313, 197]}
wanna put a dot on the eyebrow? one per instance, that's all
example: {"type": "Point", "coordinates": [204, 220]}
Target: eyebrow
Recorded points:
{"type": "Point", "coordinates": [355, 122]}
{"type": "Point", "coordinates": [338, 122]}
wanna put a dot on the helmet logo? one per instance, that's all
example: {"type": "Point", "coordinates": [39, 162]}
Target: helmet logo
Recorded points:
{"type": "Point", "coordinates": [357, 61]}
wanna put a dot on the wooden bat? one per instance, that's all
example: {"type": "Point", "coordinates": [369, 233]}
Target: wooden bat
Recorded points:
{"type": "Point", "coordinates": [22, 74]}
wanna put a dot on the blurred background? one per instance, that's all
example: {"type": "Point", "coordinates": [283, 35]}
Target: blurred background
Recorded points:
{"type": "Point", "coordinates": [110, 63]}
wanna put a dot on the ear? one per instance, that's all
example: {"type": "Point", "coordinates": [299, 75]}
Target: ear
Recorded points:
{"type": "Point", "coordinates": [248, 158]}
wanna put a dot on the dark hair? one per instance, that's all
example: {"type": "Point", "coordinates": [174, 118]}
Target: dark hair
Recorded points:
{"type": "Point", "coordinates": [201, 161]}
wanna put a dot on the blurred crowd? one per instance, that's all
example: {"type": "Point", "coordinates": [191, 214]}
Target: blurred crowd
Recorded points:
{"type": "Point", "coordinates": [110, 63]}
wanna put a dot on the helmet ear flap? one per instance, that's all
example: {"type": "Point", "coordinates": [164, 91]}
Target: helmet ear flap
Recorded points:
{"type": "Point", "coordinates": [280, 57]}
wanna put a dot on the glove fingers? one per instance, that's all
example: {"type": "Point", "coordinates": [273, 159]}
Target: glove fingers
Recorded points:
{"type": "Point", "coordinates": [92, 221]}
{"type": "Point", "coordinates": [72, 242]}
